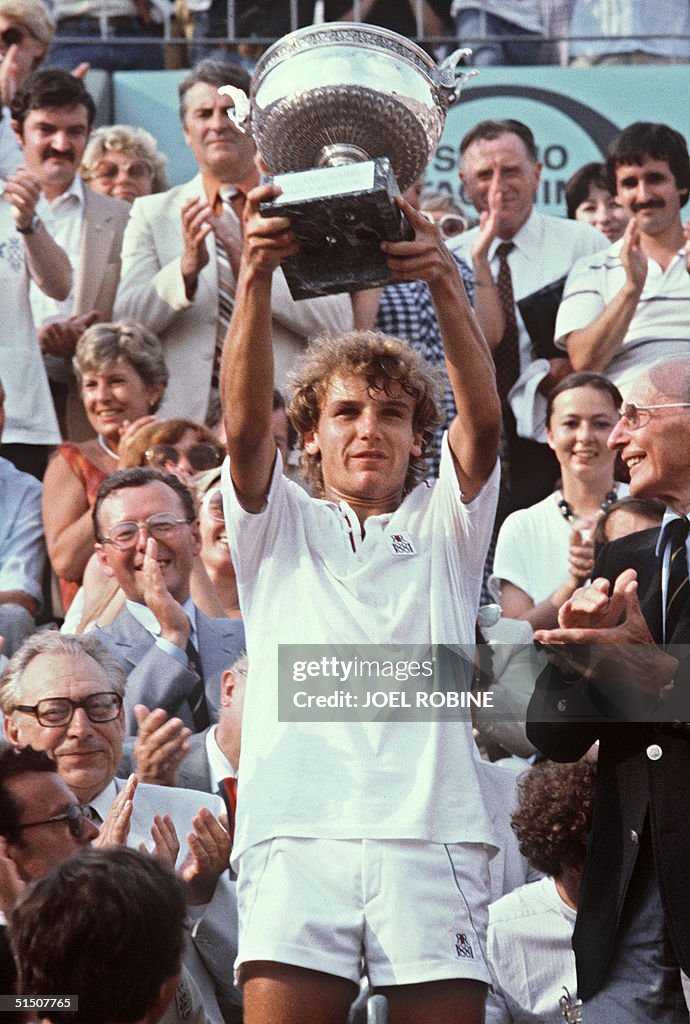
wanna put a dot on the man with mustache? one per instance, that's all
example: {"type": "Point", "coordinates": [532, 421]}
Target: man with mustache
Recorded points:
{"type": "Point", "coordinates": [52, 117]}
{"type": "Point", "coordinates": [628, 306]}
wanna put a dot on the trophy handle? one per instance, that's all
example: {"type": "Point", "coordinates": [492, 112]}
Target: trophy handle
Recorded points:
{"type": "Point", "coordinates": [448, 81]}
{"type": "Point", "coordinates": [240, 113]}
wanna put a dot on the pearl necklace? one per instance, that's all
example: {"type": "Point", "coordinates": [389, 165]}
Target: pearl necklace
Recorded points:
{"type": "Point", "coordinates": [567, 511]}
{"type": "Point", "coordinates": [104, 447]}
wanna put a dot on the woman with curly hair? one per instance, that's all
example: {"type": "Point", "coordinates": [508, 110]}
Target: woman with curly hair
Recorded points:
{"type": "Point", "coordinates": [124, 162]}
{"type": "Point", "coordinates": [530, 929]}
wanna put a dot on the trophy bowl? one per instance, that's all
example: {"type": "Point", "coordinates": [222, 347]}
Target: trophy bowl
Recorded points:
{"type": "Point", "coordinates": [332, 96]}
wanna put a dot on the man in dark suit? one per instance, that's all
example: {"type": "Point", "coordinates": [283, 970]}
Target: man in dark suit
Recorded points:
{"type": "Point", "coordinates": [147, 535]}
{"type": "Point", "coordinates": [165, 754]}
{"type": "Point", "coordinates": [622, 676]}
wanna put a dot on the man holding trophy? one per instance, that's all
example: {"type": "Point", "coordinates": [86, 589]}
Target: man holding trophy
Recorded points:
{"type": "Point", "coordinates": [361, 844]}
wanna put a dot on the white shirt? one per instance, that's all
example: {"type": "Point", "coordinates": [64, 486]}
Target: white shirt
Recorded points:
{"type": "Point", "coordinates": [530, 955]}
{"type": "Point", "coordinates": [301, 583]}
{"type": "Point", "coordinates": [219, 767]}
{"type": "Point", "coordinates": [63, 219]}
{"type": "Point", "coordinates": [545, 249]}
{"type": "Point", "coordinates": [532, 547]}
{"type": "Point", "coordinates": [11, 156]}
{"type": "Point", "coordinates": [660, 327]}
{"type": "Point", "coordinates": [29, 410]}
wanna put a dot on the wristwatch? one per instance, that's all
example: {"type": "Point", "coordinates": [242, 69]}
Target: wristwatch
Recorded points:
{"type": "Point", "coordinates": [32, 227]}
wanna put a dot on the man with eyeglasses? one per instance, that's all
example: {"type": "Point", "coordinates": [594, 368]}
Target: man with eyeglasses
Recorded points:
{"type": "Point", "coordinates": [63, 694]}
{"type": "Point", "coordinates": [41, 825]}
{"type": "Point", "coordinates": [147, 537]}
{"type": "Point", "coordinates": [621, 675]}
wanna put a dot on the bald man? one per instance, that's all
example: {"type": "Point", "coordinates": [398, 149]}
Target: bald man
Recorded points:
{"type": "Point", "coordinates": [623, 678]}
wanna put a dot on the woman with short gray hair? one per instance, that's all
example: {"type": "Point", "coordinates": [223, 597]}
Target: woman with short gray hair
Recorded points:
{"type": "Point", "coordinates": [122, 374]}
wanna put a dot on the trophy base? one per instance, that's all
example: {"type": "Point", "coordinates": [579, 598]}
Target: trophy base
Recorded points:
{"type": "Point", "coordinates": [340, 216]}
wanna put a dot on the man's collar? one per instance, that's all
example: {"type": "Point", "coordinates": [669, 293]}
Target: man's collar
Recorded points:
{"type": "Point", "coordinates": [75, 189]}
{"type": "Point", "coordinates": [522, 237]}
{"type": "Point", "coordinates": [104, 800]}
{"type": "Point", "coordinates": [145, 617]}
{"type": "Point", "coordinates": [219, 766]}
{"type": "Point", "coordinates": [669, 516]}
{"type": "Point", "coordinates": [212, 186]}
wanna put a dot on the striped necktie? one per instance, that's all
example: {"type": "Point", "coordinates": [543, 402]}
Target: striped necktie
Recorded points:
{"type": "Point", "coordinates": [227, 263]}
{"type": "Point", "coordinates": [197, 696]}
{"type": "Point", "coordinates": [675, 535]}
{"type": "Point", "coordinates": [507, 355]}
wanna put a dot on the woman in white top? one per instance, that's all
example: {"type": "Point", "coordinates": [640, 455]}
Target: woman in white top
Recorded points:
{"type": "Point", "coordinates": [544, 553]}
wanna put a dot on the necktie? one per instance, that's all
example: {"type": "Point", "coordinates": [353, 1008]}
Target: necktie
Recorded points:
{"type": "Point", "coordinates": [197, 696]}
{"type": "Point", "coordinates": [228, 791]}
{"type": "Point", "coordinates": [675, 535]}
{"type": "Point", "coordinates": [507, 355]}
{"type": "Point", "coordinates": [227, 263]}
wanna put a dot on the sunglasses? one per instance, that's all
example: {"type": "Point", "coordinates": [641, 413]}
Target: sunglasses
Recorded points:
{"type": "Point", "coordinates": [199, 456]}
{"type": "Point", "coordinates": [75, 816]}
{"type": "Point", "coordinates": [140, 170]}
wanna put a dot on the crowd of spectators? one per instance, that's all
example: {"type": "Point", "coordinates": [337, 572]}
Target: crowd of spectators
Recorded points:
{"type": "Point", "coordinates": [150, 332]}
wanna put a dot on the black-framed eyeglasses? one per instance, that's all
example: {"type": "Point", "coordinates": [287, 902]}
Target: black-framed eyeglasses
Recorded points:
{"type": "Point", "coordinates": [53, 712]}
{"type": "Point", "coordinates": [138, 170]}
{"type": "Point", "coordinates": [75, 816]}
{"type": "Point", "coordinates": [200, 456]}
{"type": "Point", "coordinates": [637, 415]}
{"type": "Point", "coordinates": [161, 526]}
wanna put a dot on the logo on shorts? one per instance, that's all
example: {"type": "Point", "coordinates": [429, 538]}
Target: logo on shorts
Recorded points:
{"type": "Point", "coordinates": [463, 947]}
{"type": "Point", "coordinates": [401, 544]}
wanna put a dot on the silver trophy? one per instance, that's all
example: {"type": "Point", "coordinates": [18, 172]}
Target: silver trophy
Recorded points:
{"type": "Point", "coordinates": [346, 117]}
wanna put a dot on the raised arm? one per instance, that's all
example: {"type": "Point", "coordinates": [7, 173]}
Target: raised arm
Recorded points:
{"type": "Point", "coordinates": [473, 434]}
{"type": "Point", "coordinates": [48, 264]}
{"type": "Point", "coordinates": [247, 368]}
{"type": "Point", "coordinates": [594, 346]}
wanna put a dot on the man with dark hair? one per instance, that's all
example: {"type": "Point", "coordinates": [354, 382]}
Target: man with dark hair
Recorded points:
{"type": "Point", "coordinates": [530, 929]}
{"type": "Point", "coordinates": [147, 536]}
{"type": "Point", "coordinates": [40, 819]}
{"type": "Point", "coordinates": [107, 926]}
{"type": "Point", "coordinates": [516, 251]}
{"type": "Point", "coordinates": [52, 116]}
{"type": "Point", "coordinates": [621, 675]}
{"type": "Point", "coordinates": [182, 248]}
{"type": "Point", "coordinates": [630, 306]}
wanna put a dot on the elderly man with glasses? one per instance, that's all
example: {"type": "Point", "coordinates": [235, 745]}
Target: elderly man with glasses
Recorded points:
{"type": "Point", "coordinates": [621, 675]}
{"type": "Point", "coordinates": [147, 537]}
{"type": "Point", "coordinates": [63, 695]}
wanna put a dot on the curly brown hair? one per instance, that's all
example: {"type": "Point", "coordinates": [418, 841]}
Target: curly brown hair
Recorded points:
{"type": "Point", "coordinates": [386, 364]}
{"type": "Point", "coordinates": [554, 814]}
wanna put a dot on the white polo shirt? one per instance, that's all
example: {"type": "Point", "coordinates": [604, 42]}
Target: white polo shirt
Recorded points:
{"type": "Point", "coordinates": [305, 577]}
{"type": "Point", "coordinates": [660, 328]}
